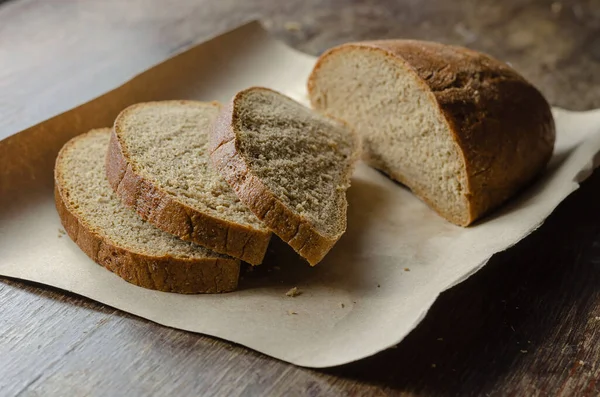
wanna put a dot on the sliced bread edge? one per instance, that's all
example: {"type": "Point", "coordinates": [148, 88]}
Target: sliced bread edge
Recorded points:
{"type": "Point", "coordinates": [166, 273]}
{"type": "Point", "coordinates": [283, 221]}
{"type": "Point", "coordinates": [159, 208]}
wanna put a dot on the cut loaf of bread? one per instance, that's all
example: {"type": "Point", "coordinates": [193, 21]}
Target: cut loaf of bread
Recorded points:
{"type": "Point", "coordinates": [158, 163]}
{"type": "Point", "coordinates": [290, 165]}
{"type": "Point", "coordinates": [462, 130]}
{"type": "Point", "coordinates": [117, 238]}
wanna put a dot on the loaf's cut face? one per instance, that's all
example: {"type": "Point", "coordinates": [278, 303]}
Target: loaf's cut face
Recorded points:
{"type": "Point", "coordinates": [301, 160]}
{"type": "Point", "coordinates": [162, 148]}
{"type": "Point", "coordinates": [116, 237]}
{"type": "Point", "coordinates": [461, 130]}
{"type": "Point", "coordinates": [404, 131]}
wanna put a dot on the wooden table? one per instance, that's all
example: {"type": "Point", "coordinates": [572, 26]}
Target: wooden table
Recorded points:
{"type": "Point", "coordinates": [527, 324]}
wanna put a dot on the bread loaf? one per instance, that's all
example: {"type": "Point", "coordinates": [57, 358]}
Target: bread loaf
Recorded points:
{"type": "Point", "coordinates": [462, 130]}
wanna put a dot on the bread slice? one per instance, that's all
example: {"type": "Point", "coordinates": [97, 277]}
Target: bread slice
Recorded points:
{"type": "Point", "coordinates": [289, 165]}
{"type": "Point", "coordinates": [158, 163]}
{"type": "Point", "coordinates": [116, 238]}
{"type": "Point", "coordinates": [464, 131]}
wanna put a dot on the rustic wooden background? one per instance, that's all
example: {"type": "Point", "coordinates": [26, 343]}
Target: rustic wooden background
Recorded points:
{"type": "Point", "coordinates": [527, 324]}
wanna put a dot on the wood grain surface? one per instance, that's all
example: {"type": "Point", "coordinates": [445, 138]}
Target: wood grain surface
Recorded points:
{"type": "Point", "coordinates": [527, 324]}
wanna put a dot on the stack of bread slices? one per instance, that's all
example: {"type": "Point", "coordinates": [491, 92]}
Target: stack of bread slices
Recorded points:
{"type": "Point", "coordinates": [178, 193]}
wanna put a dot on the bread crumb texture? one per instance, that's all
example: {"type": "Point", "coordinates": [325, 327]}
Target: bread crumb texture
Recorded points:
{"type": "Point", "coordinates": [92, 198]}
{"type": "Point", "coordinates": [117, 238]}
{"type": "Point", "coordinates": [302, 157]}
{"type": "Point", "coordinates": [167, 144]}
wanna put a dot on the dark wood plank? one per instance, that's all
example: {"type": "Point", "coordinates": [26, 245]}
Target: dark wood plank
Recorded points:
{"type": "Point", "coordinates": [528, 324]}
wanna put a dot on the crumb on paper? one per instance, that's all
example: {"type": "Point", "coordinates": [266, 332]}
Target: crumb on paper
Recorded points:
{"type": "Point", "coordinates": [433, 365]}
{"type": "Point", "coordinates": [378, 285]}
{"type": "Point", "coordinates": [291, 312]}
{"type": "Point", "coordinates": [292, 26]}
{"type": "Point", "coordinates": [523, 351]}
{"type": "Point", "coordinates": [293, 292]}
{"type": "Point", "coordinates": [440, 339]}
{"type": "Point", "coordinates": [406, 269]}
{"type": "Point", "coordinates": [61, 231]}
{"type": "Point", "coordinates": [342, 305]}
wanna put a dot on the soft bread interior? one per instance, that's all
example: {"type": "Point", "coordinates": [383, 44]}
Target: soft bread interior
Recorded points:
{"type": "Point", "coordinates": [87, 194]}
{"type": "Point", "coordinates": [167, 144]}
{"type": "Point", "coordinates": [302, 157]}
{"type": "Point", "coordinates": [404, 132]}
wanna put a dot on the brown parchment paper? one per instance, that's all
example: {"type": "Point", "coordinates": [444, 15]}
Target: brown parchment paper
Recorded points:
{"type": "Point", "coordinates": [358, 301]}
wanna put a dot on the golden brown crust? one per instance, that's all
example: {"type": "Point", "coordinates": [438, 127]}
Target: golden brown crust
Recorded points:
{"type": "Point", "coordinates": [502, 124]}
{"type": "Point", "coordinates": [169, 274]}
{"type": "Point", "coordinates": [284, 222]}
{"type": "Point", "coordinates": [165, 212]}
